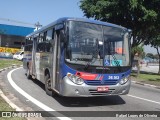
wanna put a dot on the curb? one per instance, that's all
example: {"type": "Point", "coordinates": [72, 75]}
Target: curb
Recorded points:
{"type": "Point", "coordinates": [13, 66]}
{"type": "Point", "coordinates": [3, 95]}
{"type": "Point", "coordinates": [9, 102]}
{"type": "Point", "coordinates": [12, 105]}
{"type": "Point", "coordinates": [144, 84]}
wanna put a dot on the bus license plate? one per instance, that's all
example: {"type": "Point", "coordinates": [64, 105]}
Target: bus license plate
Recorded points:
{"type": "Point", "coordinates": [102, 89]}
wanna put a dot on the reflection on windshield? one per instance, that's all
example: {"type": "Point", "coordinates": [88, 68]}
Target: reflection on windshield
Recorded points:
{"type": "Point", "coordinates": [83, 46]}
{"type": "Point", "coordinates": [97, 45]}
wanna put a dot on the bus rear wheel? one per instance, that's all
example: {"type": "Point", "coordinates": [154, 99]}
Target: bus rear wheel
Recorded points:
{"type": "Point", "coordinates": [48, 85]}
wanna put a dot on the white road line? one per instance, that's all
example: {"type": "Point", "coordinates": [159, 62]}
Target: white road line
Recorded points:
{"type": "Point", "coordinates": [143, 99]}
{"type": "Point", "coordinates": [35, 101]}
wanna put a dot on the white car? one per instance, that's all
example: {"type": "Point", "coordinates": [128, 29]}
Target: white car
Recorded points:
{"type": "Point", "coordinates": [18, 55]}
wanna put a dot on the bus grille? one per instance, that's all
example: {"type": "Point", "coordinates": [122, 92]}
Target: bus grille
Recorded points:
{"type": "Point", "coordinates": [96, 93]}
{"type": "Point", "coordinates": [100, 82]}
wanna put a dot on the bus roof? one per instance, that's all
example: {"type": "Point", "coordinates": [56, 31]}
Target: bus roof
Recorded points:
{"type": "Point", "coordinates": [61, 20]}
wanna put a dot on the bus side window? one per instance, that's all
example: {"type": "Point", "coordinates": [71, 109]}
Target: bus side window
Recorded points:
{"type": "Point", "coordinates": [53, 34]}
{"type": "Point", "coordinates": [28, 41]}
{"type": "Point", "coordinates": [49, 37]}
{"type": "Point", "coordinates": [28, 48]}
{"type": "Point", "coordinates": [39, 43]}
{"type": "Point", "coordinates": [48, 47]}
{"type": "Point", "coordinates": [45, 36]}
{"type": "Point", "coordinates": [40, 47]}
{"type": "Point", "coordinates": [41, 37]}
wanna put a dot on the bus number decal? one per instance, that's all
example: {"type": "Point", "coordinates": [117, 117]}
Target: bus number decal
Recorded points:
{"type": "Point", "coordinates": [113, 77]}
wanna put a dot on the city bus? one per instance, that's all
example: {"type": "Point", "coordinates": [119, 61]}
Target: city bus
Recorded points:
{"type": "Point", "coordinates": [78, 57]}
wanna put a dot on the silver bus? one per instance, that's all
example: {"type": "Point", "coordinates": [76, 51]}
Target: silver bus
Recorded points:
{"type": "Point", "coordinates": [79, 58]}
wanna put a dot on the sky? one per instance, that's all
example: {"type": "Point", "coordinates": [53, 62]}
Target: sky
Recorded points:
{"type": "Point", "coordinates": [42, 11]}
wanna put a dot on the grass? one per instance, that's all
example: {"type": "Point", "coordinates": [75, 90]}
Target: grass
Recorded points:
{"type": "Point", "coordinates": [8, 62]}
{"type": "Point", "coordinates": [148, 78]}
{"type": "Point", "coordinates": [4, 106]}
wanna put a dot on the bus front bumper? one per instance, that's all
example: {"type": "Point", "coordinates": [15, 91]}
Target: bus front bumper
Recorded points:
{"type": "Point", "coordinates": [68, 88]}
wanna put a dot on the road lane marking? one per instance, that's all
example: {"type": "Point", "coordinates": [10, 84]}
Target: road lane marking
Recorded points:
{"type": "Point", "coordinates": [143, 99]}
{"type": "Point", "coordinates": [35, 101]}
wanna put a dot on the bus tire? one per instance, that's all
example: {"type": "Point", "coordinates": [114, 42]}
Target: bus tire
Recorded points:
{"type": "Point", "coordinates": [28, 74]}
{"type": "Point", "coordinates": [48, 85]}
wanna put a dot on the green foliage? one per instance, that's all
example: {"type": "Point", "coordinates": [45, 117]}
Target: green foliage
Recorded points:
{"type": "Point", "coordinates": [156, 56]}
{"type": "Point", "coordinates": [148, 78]}
{"type": "Point", "coordinates": [155, 40]}
{"type": "Point", "coordinates": [139, 50]}
{"type": "Point", "coordinates": [142, 16]}
{"type": "Point", "coordinates": [7, 62]}
{"type": "Point", "coordinates": [150, 55]}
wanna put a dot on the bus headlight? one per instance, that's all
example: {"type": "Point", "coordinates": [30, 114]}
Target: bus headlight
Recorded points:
{"type": "Point", "coordinates": [75, 79]}
{"type": "Point", "coordinates": [124, 80]}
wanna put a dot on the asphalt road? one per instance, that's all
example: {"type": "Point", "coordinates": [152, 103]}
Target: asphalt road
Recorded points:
{"type": "Point", "coordinates": [140, 98]}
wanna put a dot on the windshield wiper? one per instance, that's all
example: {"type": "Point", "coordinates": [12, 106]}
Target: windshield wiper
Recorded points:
{"type": "Point", "coordinates": [90, 62]}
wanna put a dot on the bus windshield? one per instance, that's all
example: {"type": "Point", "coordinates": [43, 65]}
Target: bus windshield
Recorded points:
{"type": "Point", "coordinates": [97, 45]}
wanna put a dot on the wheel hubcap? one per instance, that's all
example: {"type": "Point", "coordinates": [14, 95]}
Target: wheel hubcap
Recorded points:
{"type": "Point", "coordinates": [49, 84]}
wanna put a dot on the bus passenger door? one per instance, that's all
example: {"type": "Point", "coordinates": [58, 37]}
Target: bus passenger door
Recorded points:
{"type": "Point", "coordinates": [56, 61]}
{"type": "Point", "coordinates": [33, 70]}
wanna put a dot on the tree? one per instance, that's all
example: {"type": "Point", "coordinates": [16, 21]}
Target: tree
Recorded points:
{"type": "Point", "coordinates": [150, 55]}
{"type": "Point", "coordinates": [156, 56]}
{"type": "Point", "coordinates": [155, 42]}
{"type": "Point", "coordinates": [142, 16]}
{"type": "Point", "coordinates": [139, 51]}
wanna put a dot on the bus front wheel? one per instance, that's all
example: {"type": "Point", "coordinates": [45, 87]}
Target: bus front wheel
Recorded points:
{"type": "Point", "coordinates": [48, 85]}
